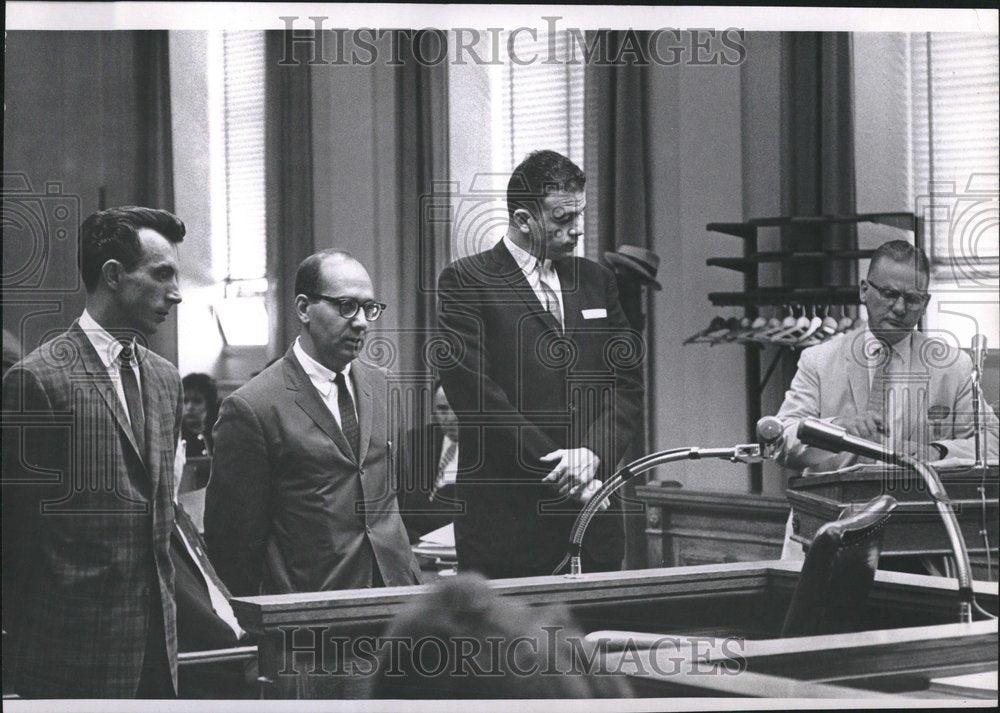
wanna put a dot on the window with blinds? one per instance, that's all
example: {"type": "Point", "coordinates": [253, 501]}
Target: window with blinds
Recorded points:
{"type": "Point", "coordinates": [541, 102]}
{"type": "Point", "coordinates": [499, 112]}
{"type": "Point", "coordinates": [955, 89]}
{"type": "Point", "coordinates": [237, 111]}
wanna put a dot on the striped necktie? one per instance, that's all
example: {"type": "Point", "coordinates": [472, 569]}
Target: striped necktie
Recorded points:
{"type": "Point", "coordinates": [880, 381]}
{"type": "Point", "coordinates": [551, 299]}
{"type": "Point", "coordinates": [879, 401]}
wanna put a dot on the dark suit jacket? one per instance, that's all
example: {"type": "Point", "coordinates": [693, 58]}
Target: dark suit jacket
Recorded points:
{"type": "Point", "coordinates": [419, 457]}
{"type": "Point", "coordinates": [289, 508]}
{"type": "Point", "coordinates": [521, 390]}
{"type": "Point", "coordinates": [86, 522]}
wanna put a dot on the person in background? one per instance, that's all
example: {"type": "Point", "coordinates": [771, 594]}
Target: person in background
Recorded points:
{"type": "Point", "coordinates": [428, 458]}
{"type": "Point", "coordinates": [887, 382]}
{"type": "Point", "coordinates": [201, 407]}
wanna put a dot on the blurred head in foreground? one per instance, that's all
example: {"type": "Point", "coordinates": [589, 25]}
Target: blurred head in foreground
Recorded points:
{"type": "Point", "coordinates": [463, 640]}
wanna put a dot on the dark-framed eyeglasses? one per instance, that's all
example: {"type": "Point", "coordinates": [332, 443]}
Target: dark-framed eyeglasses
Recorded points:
{"type": "Point", "coordinates": [912, 300]}
{"type": "Point", "coordinates": [349, 306]}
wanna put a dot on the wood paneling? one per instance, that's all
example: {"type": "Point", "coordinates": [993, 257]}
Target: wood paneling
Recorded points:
{"type": "Point", "coordinates": [688, 527]}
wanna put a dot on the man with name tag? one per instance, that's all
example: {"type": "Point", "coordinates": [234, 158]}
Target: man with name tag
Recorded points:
{"type": "Point", "coordinates": [887, 382]}
{"type": "Point", "coordinates": [543, 374]}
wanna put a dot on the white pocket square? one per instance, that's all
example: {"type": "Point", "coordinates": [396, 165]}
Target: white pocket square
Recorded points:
{"type": "Point", "coordinates": [594, 313]}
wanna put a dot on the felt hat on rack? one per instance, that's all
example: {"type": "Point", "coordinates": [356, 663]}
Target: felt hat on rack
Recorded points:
{"type": "Point", "coordinates": [641, 261]}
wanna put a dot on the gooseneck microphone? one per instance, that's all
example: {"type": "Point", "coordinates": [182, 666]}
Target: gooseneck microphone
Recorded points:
{"type": "Point", "coordinates": [835, 439]}
{"type": "Point", "coordinates": [769, 430]}
{"type": "Point", "coordinates": [978, 351]}
{"type": "Point", "coordinates": [821, 434]}
{"type": "Point", "coordinates": [978, 355]}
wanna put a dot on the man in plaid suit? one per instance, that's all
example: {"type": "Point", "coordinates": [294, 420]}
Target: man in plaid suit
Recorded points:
{"type": "Point", "coordinates": [90, 426]}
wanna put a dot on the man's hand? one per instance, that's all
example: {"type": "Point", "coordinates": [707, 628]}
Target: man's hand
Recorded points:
{"type": "Point", "coordinates": [588, 491]}
{"type": "Point", "coordinates": [574, 470]}
{"type": "Point", "coordinates": [868, 426]}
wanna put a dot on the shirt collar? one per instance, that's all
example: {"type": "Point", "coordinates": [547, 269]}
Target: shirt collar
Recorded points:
{"type": "Point", "coordinates": [321, 377]}
{"type": "Point", "coordinates": [525, 260]}
{"type": "Point", "coordinates": [107, 347]}
{"type": "Point", "coordinates": [900, 349]}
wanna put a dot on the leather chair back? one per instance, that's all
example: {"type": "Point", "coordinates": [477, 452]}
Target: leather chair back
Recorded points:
{"type": "Point", "coordinates": [838, 573]}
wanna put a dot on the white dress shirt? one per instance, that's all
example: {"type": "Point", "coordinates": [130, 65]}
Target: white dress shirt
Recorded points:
{"type": "Point", "coordinates": [108, 348]}
{"type": "Point", "coordinates": [449, 474]}
{"type": "Point", "coordinates": [535, 271]}
{"type": "Point", "coordinates": [323, 379]}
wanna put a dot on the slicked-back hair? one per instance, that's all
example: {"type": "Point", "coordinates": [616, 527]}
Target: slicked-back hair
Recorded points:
{"type": "Point", "coordinates": [541, 173]}
{"type": "Point", "coordinates": [113, 234]}
{"type": "Point", "coordinates": [307, 276]}
{"type": "Point", "coordinates": [902, 252]}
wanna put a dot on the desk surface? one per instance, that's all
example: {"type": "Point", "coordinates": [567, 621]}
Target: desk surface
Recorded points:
{"type": "Point", "coordinates": [911, 638]}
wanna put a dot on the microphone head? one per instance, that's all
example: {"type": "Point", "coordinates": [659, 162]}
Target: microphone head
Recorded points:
{"type": "Point", "coordinates": [978, 350]}
{"type": "Point", "coordinates": [821, 434]}
{"type": "Point", "coordinates": [769, 430]}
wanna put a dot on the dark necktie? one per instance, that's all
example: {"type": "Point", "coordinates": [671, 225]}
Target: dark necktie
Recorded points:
{"type": "Point", "coordinates": [133, 398]}
{"type": "Point", "coordinates": [348, 416]}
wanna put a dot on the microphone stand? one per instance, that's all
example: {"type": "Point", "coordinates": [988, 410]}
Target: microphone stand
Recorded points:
{"type": "Point", "coordinates": [835, 439]}
{"type": "Point", "coordinates": [743, 453]}
{"type": "Point", "coordinates": [978, 412]}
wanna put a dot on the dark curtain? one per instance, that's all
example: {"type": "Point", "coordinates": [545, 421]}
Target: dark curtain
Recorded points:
{"type": "Point", "coordinates": [817, 114]}
{"type": "Point", "coordinates": [616, 150]}
{"type": "Point", "coordinates": [288, 148]}
{"type": "Point", "coordinates": [617, 147]}
{"type": "Point", "coordinates": [817, 157]}
{"type": "Point", "coordinates": [424, 229]}
{"type": "Point", "coordinates": [155, 166]}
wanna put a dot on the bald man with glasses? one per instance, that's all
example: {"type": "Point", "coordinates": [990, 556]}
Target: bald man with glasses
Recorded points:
{"type": "Point", "coordinates": [886, 382]}
{"type": "Point", "coordinates": [300, 498]}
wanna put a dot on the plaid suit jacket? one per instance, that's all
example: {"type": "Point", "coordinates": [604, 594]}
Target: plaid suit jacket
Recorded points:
{"type": "Point", "coordinates": [86, 521]}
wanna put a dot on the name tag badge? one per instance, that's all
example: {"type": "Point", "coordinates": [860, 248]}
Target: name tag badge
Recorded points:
{"type": "Point", "coordinates": [595, 313]}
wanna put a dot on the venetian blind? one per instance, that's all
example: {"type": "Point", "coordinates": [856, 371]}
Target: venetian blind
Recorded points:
{"type": "Point", "coordinates": [542, 99]}
{"type": "Point", "coordinates": [243, 122]}
{"type": "Point", "coordinates": [956, 146]}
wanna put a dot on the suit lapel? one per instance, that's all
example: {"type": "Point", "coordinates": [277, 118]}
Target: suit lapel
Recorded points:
{"type": "Point", "coordinates": [508, 271]}
{"type": "Point", "coordinates": [364, 404]}
{"type": "Point", "coordinates": [103, 385]}
{"type": "Point", "coordinates": [857, 372]}
{"type": "Point", "coordinates": [308, 399]}
{"type": "Point", "coordinates": [153, 392]}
